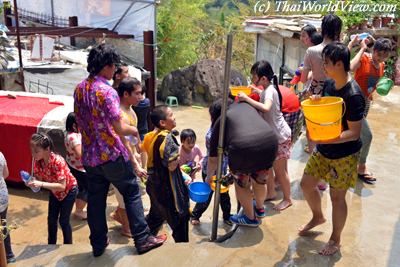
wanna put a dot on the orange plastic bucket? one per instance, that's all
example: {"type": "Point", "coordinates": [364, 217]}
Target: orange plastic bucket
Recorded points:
{"type": "Point", "coordinates": [323, 117]}
{"type": "Point", "coordinates": [236, 89]}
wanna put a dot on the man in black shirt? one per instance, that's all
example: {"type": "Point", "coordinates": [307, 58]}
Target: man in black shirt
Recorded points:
{"type": "Point", "coordinates": [251, 146]}
{"type": "Point", "coordinates": [335, 160]}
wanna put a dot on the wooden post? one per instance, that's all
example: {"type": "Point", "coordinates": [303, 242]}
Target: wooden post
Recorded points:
{"type": "Point", "coordinates": [73, 22]}
{"type": "Point", "coordinates": [21, 66]}
{"type": "Point", "coordinates": [3, 260]}
{"type": "Point", "coordinates": [149, 65]}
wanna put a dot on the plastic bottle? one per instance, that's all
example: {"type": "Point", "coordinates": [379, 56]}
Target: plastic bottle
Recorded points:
{"type": "Point", "coordinates": [26, 177]}
{"type": "Point", "coordinates": [361, 36]}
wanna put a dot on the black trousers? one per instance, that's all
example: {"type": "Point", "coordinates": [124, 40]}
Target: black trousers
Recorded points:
{"type": "Point", "coordinates": [60, 211]}
{"type": "Point", "coordinates": [225, 203]}
{"type": "Point", "coordinates": [164, 210]}
{"type": "Point", "coordinates": [7, 241]}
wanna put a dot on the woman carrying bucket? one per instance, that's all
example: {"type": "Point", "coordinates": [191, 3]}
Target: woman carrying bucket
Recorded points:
{"type": "Point", "coordinates": [368, 69]}
{"type": "Point", "coordinates": [335, 158]}
{"type": "Point", "coordinates": [271, 105]}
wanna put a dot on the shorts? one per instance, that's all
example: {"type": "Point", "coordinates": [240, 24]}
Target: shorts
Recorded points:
{"type": "Point", "coordinates": [295, 122]}
{"type": "Point", "coordinates": [339, 173]}
{"type": "Point", "coordinates": [244, 180]}
{"type": "Point", "coordinates": [284, 150]}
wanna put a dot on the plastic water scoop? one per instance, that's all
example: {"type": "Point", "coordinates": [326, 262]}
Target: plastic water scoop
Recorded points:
{"type": "Point", "coordinates": [26, 177]}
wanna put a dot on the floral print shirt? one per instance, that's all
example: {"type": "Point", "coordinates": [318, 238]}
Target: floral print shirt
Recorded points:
{"type": "Point", "coordinates": [96, 105]}
{"type": "Point", "coordinates": [56, 171]}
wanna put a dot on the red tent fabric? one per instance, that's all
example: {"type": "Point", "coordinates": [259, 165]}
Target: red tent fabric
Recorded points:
{"type": "Point", "coordinates": [19, 119]}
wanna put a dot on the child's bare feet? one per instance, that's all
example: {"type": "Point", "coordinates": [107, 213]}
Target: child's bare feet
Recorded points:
{"type": "Point", "coordinates": [81, 215]}
{"type": "Point", "coordinates": [195, 222]}
{"type": "Point", "coordinates": [311, 224]}
{"type": "Point", "coordinates": [329, 248]}
{"type": "Point", "coordinates": [284, 204]}
{"type": "Point", "coordinates": [271, 196]}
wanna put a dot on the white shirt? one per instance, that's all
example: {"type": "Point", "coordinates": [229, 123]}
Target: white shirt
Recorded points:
{"type": "Point", "coordinates": [3, 186]}
{"type": "Point", "coordinates": [274, 117]}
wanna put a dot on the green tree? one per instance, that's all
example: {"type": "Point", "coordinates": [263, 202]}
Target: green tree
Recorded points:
{"type": "Point", "coordinates": [179, 23]}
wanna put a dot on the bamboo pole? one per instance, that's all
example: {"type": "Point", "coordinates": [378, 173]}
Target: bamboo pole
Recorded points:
{"type": "Point", "coordinates": [217, 194]}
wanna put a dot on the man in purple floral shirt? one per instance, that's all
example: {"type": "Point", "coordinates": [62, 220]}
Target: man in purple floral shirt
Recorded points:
{"type": "Point", "coordinates": [105, 157]}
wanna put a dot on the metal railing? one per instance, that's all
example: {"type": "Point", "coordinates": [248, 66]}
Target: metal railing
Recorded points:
{"type": "Point", "coordinates": [42, 18]}
{"type": "Point", "coordinates": [43, 88]}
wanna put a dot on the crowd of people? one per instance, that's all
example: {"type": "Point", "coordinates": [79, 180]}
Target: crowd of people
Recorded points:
{"type": "Point", "coordinates": [108, 143]}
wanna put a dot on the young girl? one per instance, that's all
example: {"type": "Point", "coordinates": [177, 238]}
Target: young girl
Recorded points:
{"type": "Point", "coordinates": [270, 105]}
{"type": "Point", "coordinates": [3, 207]}
{"type": "Point", "coordinates": [189, 151]}
{"type": "Point", "coordinates": [51, 172]}
{"type": "Point", "coordinates": [73, 145]}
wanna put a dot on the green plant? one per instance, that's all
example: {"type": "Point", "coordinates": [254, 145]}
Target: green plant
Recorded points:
{"type": "Point", "coordinates": [389, 68]}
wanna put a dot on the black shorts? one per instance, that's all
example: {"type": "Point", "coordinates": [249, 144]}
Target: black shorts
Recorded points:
{"type": "Point", "coordinates": [81, 178]}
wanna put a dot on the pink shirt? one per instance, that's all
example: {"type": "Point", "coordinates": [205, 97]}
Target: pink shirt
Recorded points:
{"type": "Point", "coordinates": [185, 157]}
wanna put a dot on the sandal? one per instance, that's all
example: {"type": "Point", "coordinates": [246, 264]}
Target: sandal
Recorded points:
{"type": "Point", "coordinates": [367, 178]}
{"type": "Point", "coordinates": [329, 249]}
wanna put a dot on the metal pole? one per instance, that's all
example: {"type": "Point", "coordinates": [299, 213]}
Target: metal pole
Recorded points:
{"type": "Point", "coordinates": [21, 66]}
{"type": "Point", "coordinates": [227, 79]}
{"type": "Point", "coordinates": [123, 15]}
{"type": "Point", "coordinates": [52, 12]}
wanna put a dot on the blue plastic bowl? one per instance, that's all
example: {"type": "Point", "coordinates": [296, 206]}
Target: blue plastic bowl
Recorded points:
{"type": "Point", "coordinates": [199, 192]}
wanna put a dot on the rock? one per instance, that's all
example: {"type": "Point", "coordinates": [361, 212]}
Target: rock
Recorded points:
{"type": "Point", "coordinates": [200, 83]}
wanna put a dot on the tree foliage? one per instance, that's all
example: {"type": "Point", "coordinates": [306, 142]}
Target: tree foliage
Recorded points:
{"type": "Point", "coordinates": [188, 32]}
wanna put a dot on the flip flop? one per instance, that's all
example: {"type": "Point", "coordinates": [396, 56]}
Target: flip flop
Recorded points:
{"type": "Point", "coordinates": [363, 177]}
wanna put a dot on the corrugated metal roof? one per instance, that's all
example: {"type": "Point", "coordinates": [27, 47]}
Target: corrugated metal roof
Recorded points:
{"type": "Point", "coordinates": [284, 25]}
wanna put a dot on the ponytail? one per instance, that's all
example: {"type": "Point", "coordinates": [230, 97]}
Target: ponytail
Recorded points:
{"type": "Point", "coordinates": [264, 68]}
{"type": "Point", "coordinates": [275, 83]}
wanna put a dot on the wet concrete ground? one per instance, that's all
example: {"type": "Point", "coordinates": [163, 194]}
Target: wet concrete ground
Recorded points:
{"type": "Point", "coordinates": [371, 236]}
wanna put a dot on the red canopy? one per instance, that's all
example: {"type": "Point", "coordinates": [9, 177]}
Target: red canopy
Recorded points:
{"type": "Point", "coordinates": [19, 119]}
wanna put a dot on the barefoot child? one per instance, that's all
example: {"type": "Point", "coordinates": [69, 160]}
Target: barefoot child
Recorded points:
{"type": "Point", "coordinates": [190, 152]}
{"type": "Point", "coordinates": [73, 145]}
{"type": "Point", "coordinates": [271, 105]}
{"type": "Point", "coordinates": [168, 193]}
{"type": "Point", "coordinates": [335, 160]}
{"type": "Point", "coordinates": [51, 172]}
{"type": "Point", "coordinates": [3, 208]}
{"type": "Point", "coordinates": [130, 94]}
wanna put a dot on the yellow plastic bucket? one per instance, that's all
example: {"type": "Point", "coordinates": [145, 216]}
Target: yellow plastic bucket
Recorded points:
{"type": "Point", "coordinates": [323, 117]}
{"type": "Point", "coordinates": [236, 89]}
{"type": "Point", "coordinates": [213, 184]}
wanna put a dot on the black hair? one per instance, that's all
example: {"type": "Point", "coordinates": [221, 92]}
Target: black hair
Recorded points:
{"type": "Point", "coordinates": [158, 114]}
{"type": "Point", "coordinates": [101, 56]}
{"type": "Point", "coordinates": [331, 27]}
{"type": "Point", "coordinates": [216, 108]}
{"type": "Point", "coordinates": [69, 123]}
{"type": "Point", "coordinates": [119, 69]}
{"type": "Point", "coordinates": [335, 52]}
{"type": "Point", "coordinates": [316, 38]}
{"type": "Point", "coordinates": [127, 85]}
{"type": "Point", "coordinates": [188, 133]}
{"type": "Point", "coordinates": [309, 29]}
{"type": "Point", "coordinates": [263, 68]}
{"type": "Point", "coordinates": [383, 44]}
{"type": "Point", "coordinates": [42, 140]}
